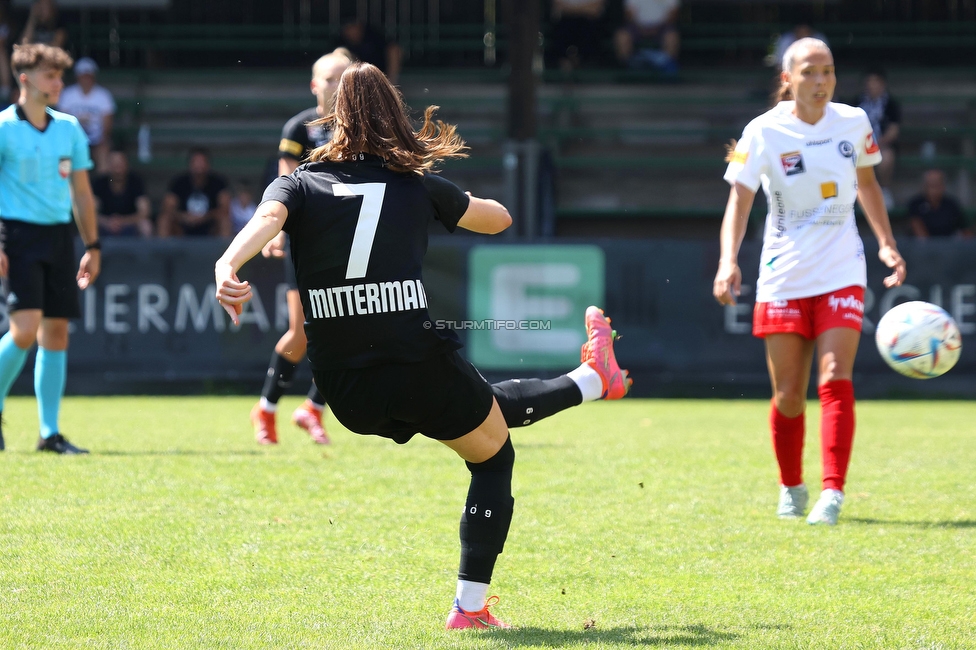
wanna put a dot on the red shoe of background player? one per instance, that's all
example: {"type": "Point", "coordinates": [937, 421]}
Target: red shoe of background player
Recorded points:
{"type": "Point", "coordinates": [308, 417]}
{"type": "Point", "coordinates": [265, 431]}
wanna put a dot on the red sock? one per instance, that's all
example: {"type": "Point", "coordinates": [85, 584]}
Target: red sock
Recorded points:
{"type": "Point", "coordinates": [836, 431]}
{"type": "Point", "coordinates": [788, 445]}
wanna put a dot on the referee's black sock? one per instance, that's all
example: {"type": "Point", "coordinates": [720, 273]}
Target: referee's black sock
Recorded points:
{"type": "Point", "coordinates": [487, 514]}
{"type": "Point", "coordinates": [280, 374]}
{"type": "Point", "coordinates": [524, 401]}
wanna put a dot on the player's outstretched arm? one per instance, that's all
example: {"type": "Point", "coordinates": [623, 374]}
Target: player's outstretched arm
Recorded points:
{"type": "Point", "coordinates": [486, 216]}
{"type": "Point", "coordinates": [84, 209]}
{"type": "Point", "coordinates": [262, 228]}
{"type": "Point", "coordinates": [728, 279]}
{"type": "Point", "coordinates": [872, 200]}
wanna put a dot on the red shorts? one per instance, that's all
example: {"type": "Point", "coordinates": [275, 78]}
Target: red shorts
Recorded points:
{"type": "Point", "coordinates": [810, 317]}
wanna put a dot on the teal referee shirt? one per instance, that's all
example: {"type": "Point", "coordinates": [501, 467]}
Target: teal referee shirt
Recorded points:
{"type": "Point", "coordinates": [36, 166]}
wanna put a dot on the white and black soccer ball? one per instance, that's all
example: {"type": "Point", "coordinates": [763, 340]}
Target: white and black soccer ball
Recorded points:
{"type": "Point", "coordinates": [919, 339]}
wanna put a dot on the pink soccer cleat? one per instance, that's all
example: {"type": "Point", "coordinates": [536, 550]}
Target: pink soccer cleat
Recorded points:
{"type": "Point", "coordinates": [308, 417]}
{"type": "Point", "coordinates": [459, 619]}
{"type": "Point", "coordinates": [597, 353]}
{"type": "Point", "coordinates": [265, 431]}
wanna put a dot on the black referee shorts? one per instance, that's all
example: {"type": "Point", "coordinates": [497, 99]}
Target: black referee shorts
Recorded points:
{"type": "Point", "coordinates": [443, 398]}
{"type": "Point", "coordinates": [43, 269]}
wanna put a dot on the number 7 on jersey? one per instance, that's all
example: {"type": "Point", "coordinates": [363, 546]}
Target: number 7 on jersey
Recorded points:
{"type": "Point", "coordinates": [369, 219]}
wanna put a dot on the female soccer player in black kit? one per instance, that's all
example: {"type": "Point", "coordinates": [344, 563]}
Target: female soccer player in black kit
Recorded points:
{"type": "Point", "coordinates": [357, 217]}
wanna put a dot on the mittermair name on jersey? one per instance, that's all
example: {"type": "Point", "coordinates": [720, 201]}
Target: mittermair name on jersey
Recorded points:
{"type": "Point", "coordinates": [368, 298]}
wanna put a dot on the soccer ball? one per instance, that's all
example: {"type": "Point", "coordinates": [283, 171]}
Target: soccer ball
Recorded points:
{"type": "Point", "coordinates": [919, 340]}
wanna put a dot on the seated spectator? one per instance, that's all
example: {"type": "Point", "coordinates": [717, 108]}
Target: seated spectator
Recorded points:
{"type": "Point", "coordinates": [649, 37]}
{"type": "Point", "coordinates": [775, 59]}
{"type": "Point", "coordinates": [44, 25]}
{"type": "Point", "coordinates": [242, 207]}
{"type": "Point", "coordinates": [933, 213]}
{"type": "Point", "coordinates": [197, 202]}
{"type": "Point", "coordinates": [94, 107]}
{"type": "Point", "coordinates": [577, 32]}
{"type": "Point", "coordinates": [370, 46]}
{"type": "Point", "coordinates": [885, 115]}
{"type": "Point", "coordinates": [120, 200]}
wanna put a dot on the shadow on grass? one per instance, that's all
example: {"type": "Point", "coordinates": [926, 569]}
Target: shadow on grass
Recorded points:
{"type": "Point", "coordinates": [179, 452]}
{"type": "Point", "coordinates": [655, 635]}
{"type": "Point", "coordinates": [963, 523]}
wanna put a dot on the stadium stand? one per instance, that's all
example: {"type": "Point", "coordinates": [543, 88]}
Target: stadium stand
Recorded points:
{"type": "Point", "coordinates": [626, 149]}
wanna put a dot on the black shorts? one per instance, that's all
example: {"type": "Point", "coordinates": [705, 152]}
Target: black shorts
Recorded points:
{"type": "Point", "coordinates": [290, 279]}
{"type": "Point", "coordinates": [43, 271]}
{"type": "Point", "coordinates": [443, 398]}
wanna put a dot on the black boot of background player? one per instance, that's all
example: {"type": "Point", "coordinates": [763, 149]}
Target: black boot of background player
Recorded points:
{"type": "Point", "coordinates": [59, 445]}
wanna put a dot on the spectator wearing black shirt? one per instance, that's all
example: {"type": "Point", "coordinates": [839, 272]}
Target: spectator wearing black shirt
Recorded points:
{"type": "Point", "coordinates": [885, 115]}
{"type": "Point", "coordinates": [197, 202]}
{"type": "Point", "coordinates": [933, 213]}
{"type": "Point", "coordinates": [121, 201]}
{"type": "Point", "coordinates": [370, 46]}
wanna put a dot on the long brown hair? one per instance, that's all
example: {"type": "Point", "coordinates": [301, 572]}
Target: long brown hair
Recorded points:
{"type": "Point", "coordinates": [369, 116]}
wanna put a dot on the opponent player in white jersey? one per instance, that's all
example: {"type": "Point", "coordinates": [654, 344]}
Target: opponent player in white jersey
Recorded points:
{"type": "Point", "coordinates": [813, 159]}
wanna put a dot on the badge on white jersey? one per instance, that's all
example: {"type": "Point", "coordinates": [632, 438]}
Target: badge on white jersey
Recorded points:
{"type": "Point", "coordinates": [870, 146]}
{"type": "Point", "coordinates": [64, 167]}
{"type": "Point", "coordinates": [792, 163]}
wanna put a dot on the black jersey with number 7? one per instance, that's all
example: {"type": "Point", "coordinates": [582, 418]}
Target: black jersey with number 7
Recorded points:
{"type": "Point", "coordinates": [358, 237]}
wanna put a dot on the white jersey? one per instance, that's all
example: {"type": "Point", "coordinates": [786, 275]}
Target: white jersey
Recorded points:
{"type": "Point", "coordinates": [90, 109]}
{"type": "Point", "coordinates": [808, 172]}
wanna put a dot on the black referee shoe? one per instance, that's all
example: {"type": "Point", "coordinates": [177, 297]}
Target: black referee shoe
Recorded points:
{"type": "Point", "coordinates": [59, 445]}
{"type": "Point", "coordinates": [1, 432]}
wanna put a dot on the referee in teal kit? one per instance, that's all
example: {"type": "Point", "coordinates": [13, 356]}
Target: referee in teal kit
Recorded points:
{"type": "Point", "coordinates": [44, 163]}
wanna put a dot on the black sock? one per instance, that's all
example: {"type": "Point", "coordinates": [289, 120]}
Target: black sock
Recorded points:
{"type": "Point", "coordinates": [280, 373]}
{"type": "Point", "coordinates": [524, 401]}
{"type": "Point", "coordinates": [487, 514]}
{"type": "Point", "coordinates": [315, 397]}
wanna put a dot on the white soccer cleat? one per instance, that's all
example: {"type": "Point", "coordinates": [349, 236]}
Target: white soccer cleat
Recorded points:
{"type": "Point", "coordinates": [827, 508]}
{"type": "Point", "coordinates": [792, 501]}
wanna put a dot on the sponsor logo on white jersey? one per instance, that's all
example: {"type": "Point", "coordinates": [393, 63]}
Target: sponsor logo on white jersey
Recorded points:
{"type": "Point", "coordinates": [792, 163]}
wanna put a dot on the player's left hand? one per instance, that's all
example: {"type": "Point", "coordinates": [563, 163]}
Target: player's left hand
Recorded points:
{"type": "Point", "coordinates": [893, 260]}
{"type": "Point", "coordinates": [89, 268]}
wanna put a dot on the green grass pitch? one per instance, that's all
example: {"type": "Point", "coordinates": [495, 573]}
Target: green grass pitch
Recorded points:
{"type": "Point", "coordinates": [642, 523]}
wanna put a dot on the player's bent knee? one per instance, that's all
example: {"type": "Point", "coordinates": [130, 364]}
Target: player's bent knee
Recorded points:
{"type": "Point", "coordinates": [502, 461]}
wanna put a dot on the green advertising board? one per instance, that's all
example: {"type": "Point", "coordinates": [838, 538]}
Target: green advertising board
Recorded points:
{"type": "Point", "coordinates": [526, 304]}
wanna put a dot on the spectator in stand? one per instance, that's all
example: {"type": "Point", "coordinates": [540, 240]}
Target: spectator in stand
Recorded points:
{"type": "Point", "coordinates": [370, 46]}
{"type": "Point", "coordinates": [44, 25]}
{"type": "Point", "coordinates": [242, 207]}
{"type": "Point", "coordinates": [775, 59]}
{"type": "Point", "coordinates": [649, 37]}
{"type": "Point", "coordinates": [885, 115]}
{"type": "Point", "coordinates": [934, 214]}
{"type": "Point", "coordinates": [197, 202]}
{"type": "Point", "coordinates": [120, 199]}
{"type": "Point", "coordinates": [94, 107]}
{"type": "Point", "coordinates": [577, 31]}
